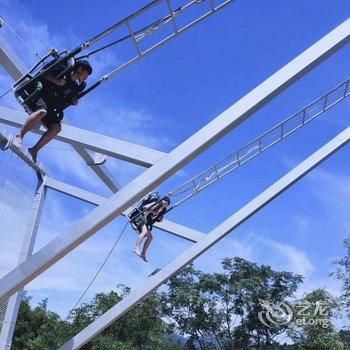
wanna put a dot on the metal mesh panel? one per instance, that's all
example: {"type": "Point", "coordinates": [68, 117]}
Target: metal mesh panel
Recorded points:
{"type": "Point", "coordinates": [17, 188]}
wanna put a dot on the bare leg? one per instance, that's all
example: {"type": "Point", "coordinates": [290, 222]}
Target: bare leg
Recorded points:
{"type": "Point", "coordinates": [30, 123]}
{"type": "Point", "coordinates": [45, 139]}
{"type": "Point", "coordinates": [140, 238]}
{"type": "Point", "coordinates": [146, 245]}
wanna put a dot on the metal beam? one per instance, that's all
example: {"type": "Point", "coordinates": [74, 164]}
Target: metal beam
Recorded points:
{"type": "Point", "coordinates": [100, 170]}
{"type": "Point", "coordinates": [13, 305]}
{"type": "Point", "coordinates": [172, 162]}
{"type": "Point", "coordinates": [10, 60]}
{"type": "Point", "coordinates": [74, 191]}
{"type": "Point", "coordinates": [166, 225]}
{"type": "Point", "coordinates": [38, 168]}
{"type": "Point", "coordinates": [16, 68]}
{"type": "Point", "coordinates": [109, 146]}
{"type": "Point", "coordinates": [212, 238]}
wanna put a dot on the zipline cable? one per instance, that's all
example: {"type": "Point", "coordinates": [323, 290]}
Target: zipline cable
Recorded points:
{"type": "Point", "coordinates": [98, 271]}
{"type": "Point", "coordinates": [3, 23]}
{"type": "Point", "coordinates": [5, 93]}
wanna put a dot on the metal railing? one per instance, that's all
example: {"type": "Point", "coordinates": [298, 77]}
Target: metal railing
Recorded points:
{"type": "Point", "coordinates": [262, 142]}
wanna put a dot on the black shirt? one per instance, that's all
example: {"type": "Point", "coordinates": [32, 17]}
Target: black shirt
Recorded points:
{"type": "Point", "coordinates": [61, 97]}
{"type": "Point", "coordinates": [151, 219]}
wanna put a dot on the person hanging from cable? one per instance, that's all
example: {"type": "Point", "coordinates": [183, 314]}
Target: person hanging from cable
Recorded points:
{"type": "Point", "coordinates": [59, 89]}
{"type": "Point", "coordinates": [150, 210]}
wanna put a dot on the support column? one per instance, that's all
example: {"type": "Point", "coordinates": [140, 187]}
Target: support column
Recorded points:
{"type": "Point", "coordinates": [13, 305]}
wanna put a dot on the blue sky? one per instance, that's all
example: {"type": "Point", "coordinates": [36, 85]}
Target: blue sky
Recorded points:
{"type": "Point", "coordinates": [166, 97]}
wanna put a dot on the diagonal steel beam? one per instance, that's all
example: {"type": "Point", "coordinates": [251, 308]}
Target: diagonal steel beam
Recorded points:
{"type": "Point", "coordinates": [16, 68]}
{"type": "Point", "coordinates": [10, 60]}
{"type": "Point", "coordinates": [109, 146]}
{"type": "Point", "coordinates": [38, 168]}
{"type": "Point", "coordinates": [173, 161]}
{"type": "Point", "coordinates": [210, 239]}
{"type": "Point", "coordinates": [166, 225]}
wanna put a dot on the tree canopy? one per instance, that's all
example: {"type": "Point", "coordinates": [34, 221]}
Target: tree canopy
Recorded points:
{"type": "Point", "coordinates": [243, 307]}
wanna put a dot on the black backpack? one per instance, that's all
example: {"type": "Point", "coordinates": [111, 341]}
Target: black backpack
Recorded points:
{"type": "Point", "coordinates": [137, 217]}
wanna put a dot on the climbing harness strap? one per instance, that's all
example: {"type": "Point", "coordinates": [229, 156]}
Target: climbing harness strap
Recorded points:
{"type": "Point", "coordinates": [138, 216]}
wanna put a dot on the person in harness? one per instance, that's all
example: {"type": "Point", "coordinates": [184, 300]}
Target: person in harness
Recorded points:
{"type": "Point", "coordinates": [58, 92]}
{"type": "Point", "coordinates": [151, 210]}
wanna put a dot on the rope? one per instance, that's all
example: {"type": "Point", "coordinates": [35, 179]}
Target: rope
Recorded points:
{"type": "Point", "coordinates": [5, 93]}
{"type": "Point", "coordinates": [98, 272]}
{"type": "Point", "coordinates": [18, 36]}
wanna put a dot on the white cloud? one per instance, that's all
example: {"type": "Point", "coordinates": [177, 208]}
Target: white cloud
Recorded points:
{"type": "Point", "coordinates": [290, 257]}
{"type": "Point", "coordinates": [333, 189]}
{"type": "Point", "coordinates": [330, 186]}
{"type": "Point", "coordinates": [253, 247]}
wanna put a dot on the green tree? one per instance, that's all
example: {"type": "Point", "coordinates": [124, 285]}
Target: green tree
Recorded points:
{"type": "Point", "coordinates": [141, 328]}
{"type": "Point", "coordinates": [221, 310]}
{"type": "Point", "coordinates": [245, 286]}
{"type": "Point", "coordinates": [190, 310]}
{"type": "Point", "coordinates": [345, 338]}
{"type": "Point", "coordinates": [343, 274]}
{"type": "Point", "coordinates": [34, 328]}
{"type": "Point", "coordinates": [312, 327]}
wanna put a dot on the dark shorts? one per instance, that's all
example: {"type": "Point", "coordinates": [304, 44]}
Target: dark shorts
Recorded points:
{"type": "Point", "coordinates": [148, 223]}
{"type": "Point", "coordinates": [149, 227]}
{"type": "Point", "coordinates": [53, 116]}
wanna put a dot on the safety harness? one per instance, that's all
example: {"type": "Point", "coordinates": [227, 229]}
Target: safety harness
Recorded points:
{"type": "Point", "coordinates": [138, 216]}
{"type": "Point", "coordinates": [30, 87]}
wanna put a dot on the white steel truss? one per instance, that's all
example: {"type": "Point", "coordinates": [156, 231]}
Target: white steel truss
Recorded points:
{"type": "Point", "coordinates": [166, 225]}
{"type": "Point", "coordinates": [166, 166]}
{"type": "Point", "coordinates": [261, 143]}
{"type": "Point", "coordinates": [210, 239]}
{"type": "Point", "coordinates": [173, 161]}
{"type": "Point", "coordinates": [110, 146]}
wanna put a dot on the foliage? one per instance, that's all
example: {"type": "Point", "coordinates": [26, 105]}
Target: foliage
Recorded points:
{"type": "Point", "coordinates": [343, 274]}
{"type": "Point", "coordinates": [213, 311]}
{"type": "Point", "coordinates": [312, 326]}
{"type": "Point", "coordinates": [38, 328]}
{"type": "Point", "coordinates": [221, 309]}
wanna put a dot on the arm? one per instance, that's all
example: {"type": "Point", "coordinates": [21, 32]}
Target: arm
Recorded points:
{"type": "Point", "coordinates": [80, 88]}
{"type": "Point", "coordinates": [148, 206]}
{"type": "Point", "coordinates": [160, 218]}
{"type": "Point", "coordinates": [52, 79]}
{"type": "Point", "coordinates": [75, 101]}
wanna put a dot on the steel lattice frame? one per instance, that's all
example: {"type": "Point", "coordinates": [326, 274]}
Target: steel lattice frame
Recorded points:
{"type": "Point", "coordinates": [161, 167]}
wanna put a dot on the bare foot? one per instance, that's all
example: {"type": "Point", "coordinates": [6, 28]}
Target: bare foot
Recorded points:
{"type": "Point", "coordinates": [143, 257]}
{"type": "Point", "coordinates": [33, 153]}
{"type": "Point", "coordinates": [137, 251]}
{"type": "Point", "coordinates": [18, 142]}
